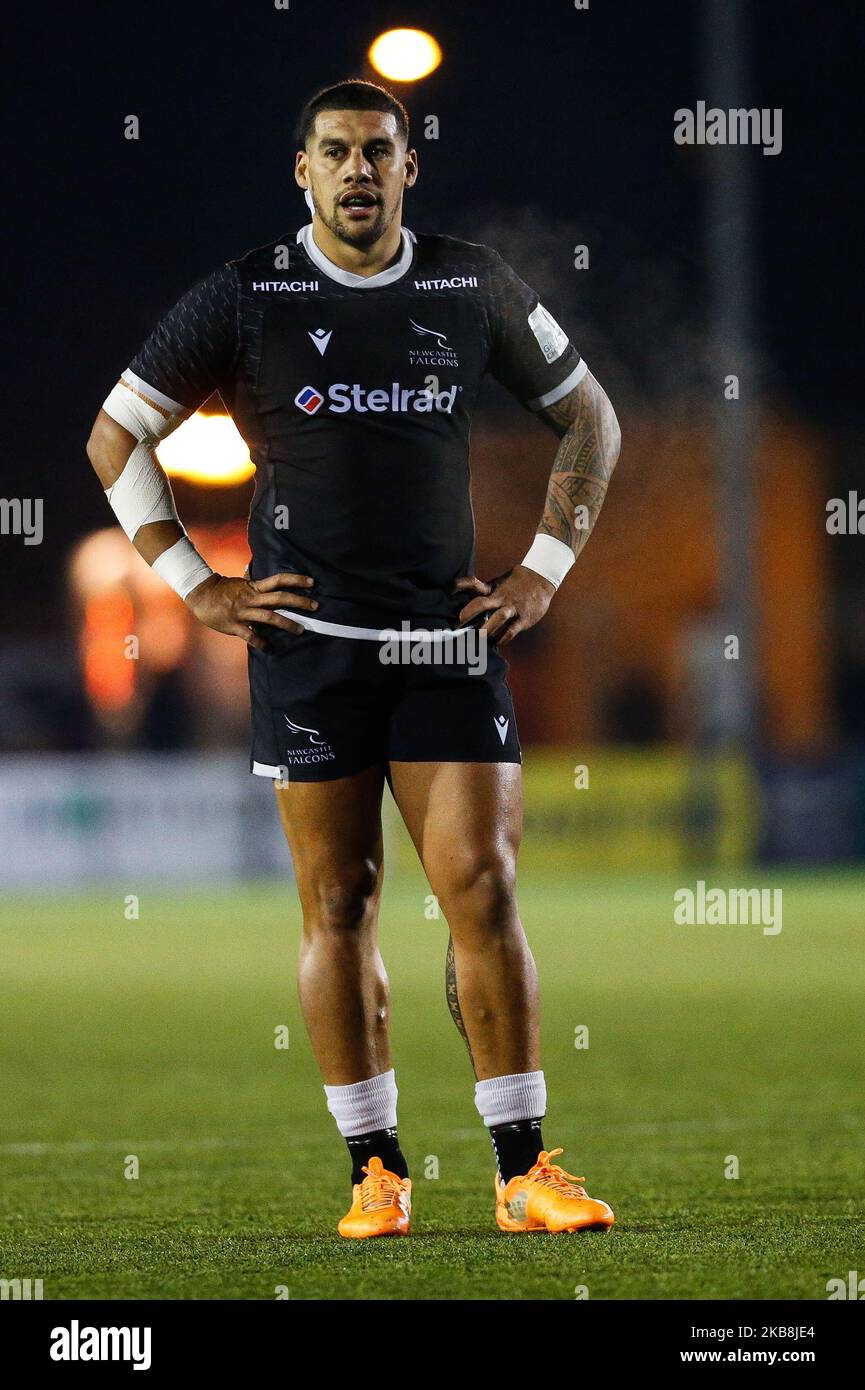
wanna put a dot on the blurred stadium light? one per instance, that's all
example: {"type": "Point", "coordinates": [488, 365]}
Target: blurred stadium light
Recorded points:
{"type": "Point", "coordinates": [206, 449]}
{"type": "Point", "coordinates": [134, 635]}
{"type": "Point", "coordinates": [405, 55]}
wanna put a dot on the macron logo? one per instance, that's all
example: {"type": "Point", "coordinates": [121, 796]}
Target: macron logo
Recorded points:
{"type": "Point", "coordinates": [501, 724]}
{"type": "Point", "coordinates": [309, 400]}
{"type": "Point", "coordinates": [320, 339]}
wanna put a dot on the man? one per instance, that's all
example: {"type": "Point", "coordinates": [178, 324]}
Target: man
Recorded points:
{"type": "Point", "coordinates": [350, 357]}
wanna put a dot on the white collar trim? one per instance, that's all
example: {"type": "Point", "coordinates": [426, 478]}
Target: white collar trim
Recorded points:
{"type": "Point", "coordinates": [348, 277]}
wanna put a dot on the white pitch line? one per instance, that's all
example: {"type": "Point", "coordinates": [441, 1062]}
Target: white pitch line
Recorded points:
{"type": "Point", "coordinates": [726, 1125]}
{"type": "Point", "coordinates": [68, 1146]}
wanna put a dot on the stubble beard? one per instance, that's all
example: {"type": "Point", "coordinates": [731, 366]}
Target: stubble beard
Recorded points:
{"type": "Point", "coordinates": [364, 237]}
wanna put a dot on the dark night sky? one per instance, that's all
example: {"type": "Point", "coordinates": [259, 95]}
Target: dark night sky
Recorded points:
{"type": "Point", "coordinates": [567, 112]}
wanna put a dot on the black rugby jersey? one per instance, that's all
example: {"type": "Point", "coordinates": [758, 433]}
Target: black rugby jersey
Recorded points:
{"type": "Point", "coordinates": [355, 397]}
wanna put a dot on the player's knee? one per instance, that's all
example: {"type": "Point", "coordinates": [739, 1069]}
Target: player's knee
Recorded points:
{"type": "Point", "coordinates": [481, 889]}
{"type": "Point", "coordinates": [343, 902]}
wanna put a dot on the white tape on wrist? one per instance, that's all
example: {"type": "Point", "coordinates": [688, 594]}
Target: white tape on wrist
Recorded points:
{"type": "Point", "coordinates": [549, 558]}
{"type": "Point", "coordinates": [182, 567]}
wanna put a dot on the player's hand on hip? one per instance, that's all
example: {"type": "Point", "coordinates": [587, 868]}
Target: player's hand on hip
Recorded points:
{"type": "Point", "coordinates": [512, 602]}
{"type": "Point", "coordinates": [239, 607]}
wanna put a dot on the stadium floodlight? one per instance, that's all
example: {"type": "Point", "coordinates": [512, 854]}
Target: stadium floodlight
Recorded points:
{"type": "Point", "coordinates": [404, 55]}
{"type": "Point", "coordinates": [208, 450]}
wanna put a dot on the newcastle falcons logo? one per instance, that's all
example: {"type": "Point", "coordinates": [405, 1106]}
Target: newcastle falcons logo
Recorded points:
{"type": "Point", "coordinates": [316, 750]}
{"type": "Point", "coordinates": [441, 338]}
{"type": "Point", "coordinates": [435, 352]}
{"type": "Point", "coordinates": [299, 729]}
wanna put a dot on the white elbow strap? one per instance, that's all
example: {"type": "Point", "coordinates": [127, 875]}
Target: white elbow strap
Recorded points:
{"type": "Point", "coordinates": [549, 558]}
{"type": "Point", "coordinates": [142, 410]}
{"type": "Point", "coordinates": [142, 493]}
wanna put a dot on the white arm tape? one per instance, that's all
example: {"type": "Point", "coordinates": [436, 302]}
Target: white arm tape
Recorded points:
{"type": "Point", "coordinates": [142, 493]}
{"type": "Point", "coordinates": [142, 410]}
{"type": "Point", "coordinates": [182, 567]}
{"type": "Point", "coordinates": [549, 558]}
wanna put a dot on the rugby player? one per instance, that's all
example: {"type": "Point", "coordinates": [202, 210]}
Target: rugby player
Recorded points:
{"type": "Point", "coordinates": [350, 356]}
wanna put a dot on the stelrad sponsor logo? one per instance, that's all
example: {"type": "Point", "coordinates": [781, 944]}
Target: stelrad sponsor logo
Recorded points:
{"type": "Point", "coordinates": [345, 399]}
{"type": "Point", "coordinates": [309, 400]}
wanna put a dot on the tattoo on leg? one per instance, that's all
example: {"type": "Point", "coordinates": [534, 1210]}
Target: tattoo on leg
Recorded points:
{"type": "Point", "coordinates": [453, 997]}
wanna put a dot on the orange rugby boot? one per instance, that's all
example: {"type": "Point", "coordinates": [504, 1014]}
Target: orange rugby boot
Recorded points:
{"type": "Point", "coordinates": [549, 1199]}
{"type": "Point", "coordinates": [381, 1205]}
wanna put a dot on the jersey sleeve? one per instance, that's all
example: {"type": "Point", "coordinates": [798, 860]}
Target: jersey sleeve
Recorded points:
{"type": "Point", "coordinates": [193, 349]}
{"type": "Point", "coordinates": [530, 355]}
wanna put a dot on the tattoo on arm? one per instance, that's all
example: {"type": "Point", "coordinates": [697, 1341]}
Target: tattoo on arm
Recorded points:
{"type": "Point", "coordinates": [453, 997]}
{"type": "Point", "coordinates": [589, 447]}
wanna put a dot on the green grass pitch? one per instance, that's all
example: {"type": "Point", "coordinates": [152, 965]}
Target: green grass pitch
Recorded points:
{"type": "Point", "coordinates": [155, 1038]}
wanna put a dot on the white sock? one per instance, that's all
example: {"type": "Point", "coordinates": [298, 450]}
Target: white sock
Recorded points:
{"type": "Point", "coordinates": [503, 1100]}
{"type": "Point", "coordinates": [364, 1105]}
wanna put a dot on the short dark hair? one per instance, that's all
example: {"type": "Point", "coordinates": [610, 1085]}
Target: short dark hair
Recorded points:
{"type": "Point", "coordinates": [352, 95]}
